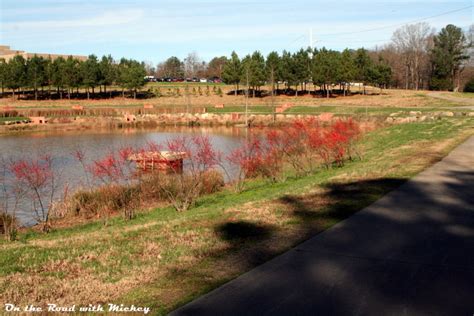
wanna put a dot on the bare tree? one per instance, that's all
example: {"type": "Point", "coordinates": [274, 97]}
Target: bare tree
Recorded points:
{"type": "Point", "coordinates": [193, 65]}
{"type": "Point", "coordinates": [413, 43]}
{"type": "Point", "coordinates": [9, 202]}
{"type": "Point", "coordinates": [149, 68]}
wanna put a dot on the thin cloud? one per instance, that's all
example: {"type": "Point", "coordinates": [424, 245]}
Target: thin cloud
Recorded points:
{"type": "Point", "coordinates": [113, 18]}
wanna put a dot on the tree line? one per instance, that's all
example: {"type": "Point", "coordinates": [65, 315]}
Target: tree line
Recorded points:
{"type": "Point", "coordinates": [68, 75]}
{"type": "Point", "coordinates": [416, 59]}
{"type": "Point", "coordinates": [323, 67]}
{"type": "Point", "coordinates": [190, 67]}
{"type": "Point", "coordinates": [422, 59]}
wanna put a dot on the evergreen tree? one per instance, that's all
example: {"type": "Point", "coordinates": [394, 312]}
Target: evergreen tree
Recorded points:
{"type": "Point", "coordinates": [287, 64]}
{"type": "Point", "coordinates": [72, 74]}
{"type": "Point", "coordinates": [253, 72]}
{"type": "Point", "coordinates": [173, 68]}
{"type": "Point", "coordinates": [3, 74]}
{"type": "Point", "coordinates": [90, 73]}
{"type": "Point", "coordinates": [301, 68]}
{"type": "Point", "coordinates": [447, 57]}
{"type": "Point", "coordinates": [107, 72]}
{"type": "Point", "coordinates": [273, 69]}
{"type": "Point", "coordinates": [59, 75]}
{"type": "Point", "coordinates": [49, 73]}
{"type": "Point", "coordinates": [35, 73]}
{"type": "Point", "coordinates": [16, 73]}
{"type": "Point", "coordinates": [363, 64]}
{"type": "Point", "coordinates": [232, 72]}
{"type": "Point", "coordinates": [384, 74]}
{"type": "Point", "coordinates": [326, 69]}
{"type": "Point", "coordinates": [347, 70]}
{"type": "Point", "coordinates": [131, 75]}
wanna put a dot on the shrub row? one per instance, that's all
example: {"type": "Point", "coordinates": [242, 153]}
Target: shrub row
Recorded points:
{"type": "Point", "coordinates": [113, 183]}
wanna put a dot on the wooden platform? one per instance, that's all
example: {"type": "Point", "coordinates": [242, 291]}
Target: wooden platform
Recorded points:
{"type": "Point", "coordinates": [159, 160]}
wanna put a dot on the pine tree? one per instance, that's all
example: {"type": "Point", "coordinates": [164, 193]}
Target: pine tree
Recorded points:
{"type": "Point", "coordinates": [72, 74]}
{"type": "Point", "coordinates": [447, 57]}
{"type": "Point", "coordinates": [3, 74]}
{"type": "Point", "coordinates": [232, 71]}
{"type": "Point", "coordinates": [35, 73]}
{"type": "Point", "coordinates": [59, 75]}
{"type": "Point", "coordinates": [301, 68]}
{"type": "Point", "coordinates": [363, 64]}
{"type": "Point", "coordinates": [348, 69]}
{"type": "Point", "coordinates": [90, 73]}
{"type": "Point", "coordinates": [107, 72]}
{"type": "Point", "coordinates": [16, 73]}
{"type": "Point", "coordinates": [273, 70]}
{"type": "Point", "coordinates": [287, 64]}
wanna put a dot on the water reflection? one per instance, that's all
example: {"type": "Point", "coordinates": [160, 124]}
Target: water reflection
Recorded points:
{"type": "Point", "coordinates": [61, 146]}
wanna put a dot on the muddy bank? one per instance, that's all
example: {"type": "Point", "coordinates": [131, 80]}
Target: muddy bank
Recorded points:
{"type": "Point", "coordinates": [157, 120]}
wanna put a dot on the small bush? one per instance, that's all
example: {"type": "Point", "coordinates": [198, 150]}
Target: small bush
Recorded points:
{"type": "Point", "coordinates": [158, 93]}
{"type": "Point", "coordinates": [212, 181]}
{"type": "Point", "coordinates": [8, 226]}
{"type": "Point", "coordinates": [469, 87]}
{"type": "Point", "coordinates": [104, 201]}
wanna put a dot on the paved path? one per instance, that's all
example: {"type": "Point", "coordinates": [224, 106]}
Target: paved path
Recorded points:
{"type": "Point", "coordinates": [410, 253]}
{"type": "Point", "coordinates": [468, 102]}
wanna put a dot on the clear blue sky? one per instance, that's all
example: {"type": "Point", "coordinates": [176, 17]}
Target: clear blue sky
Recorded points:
{"type": "Point", "coordinates": [154, 30]}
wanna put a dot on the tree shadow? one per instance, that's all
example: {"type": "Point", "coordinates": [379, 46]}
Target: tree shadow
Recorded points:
{"type": "Point", "coordinates": [411, 238]}
{"type": "Point", "coordinates": [243, 231]}
{"type": "Point", "coordinates": [410, 253]}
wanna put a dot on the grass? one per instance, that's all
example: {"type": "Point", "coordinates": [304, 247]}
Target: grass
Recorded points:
{"type": "Point", "coordinates": [388, 98]}
{"type": "Point", "coordinates": [349, 110]}
{"type": "Point", "coordinates": [335, 109]}
{"type": "Point", "coordinates": [241, 109]}
{"type": "Point", "coordinates": [163, 259]}
{"type": "Point", "coordinates": [12, 119]}
{"type": "Point", "coordinates": [469, 95]}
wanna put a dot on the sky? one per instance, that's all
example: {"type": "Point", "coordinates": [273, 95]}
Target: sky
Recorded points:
{"type": "Point", "coordinates": [152, 31]}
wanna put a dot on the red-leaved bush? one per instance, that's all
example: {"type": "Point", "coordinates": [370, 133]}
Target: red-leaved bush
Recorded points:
{"type": "Point", "coordinates": [35, 179]}
{"type": "Point", "coordinates": [297, 149]}
{"type": "Point", "coordinates": [303, 146]}
{"type": "Point", "coordinates": [182, 189]}
{"type": "Point", "coordinates": [115, 167]}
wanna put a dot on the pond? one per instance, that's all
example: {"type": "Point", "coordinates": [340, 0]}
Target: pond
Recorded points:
{"type": "Point", "coordinates": [61, 146]}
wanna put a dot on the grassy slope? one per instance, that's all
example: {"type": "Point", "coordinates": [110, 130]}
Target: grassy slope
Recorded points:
{"type": "Point", "coordinates": [468, 95]}
{"type": "Point", "coordinates": [163, 259]}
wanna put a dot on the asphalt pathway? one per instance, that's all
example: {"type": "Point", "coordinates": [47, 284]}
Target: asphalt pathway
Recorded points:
{"type": "Point", "coordinates": [409, 253]}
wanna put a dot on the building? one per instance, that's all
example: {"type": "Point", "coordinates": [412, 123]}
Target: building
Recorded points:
{"type": "Point", "coordinates": [7, 53]}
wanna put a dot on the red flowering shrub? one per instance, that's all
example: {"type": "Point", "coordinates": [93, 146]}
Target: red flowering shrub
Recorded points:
{"type": "Point", "coordinates": [303, 145]}
{"type": "Point", "coordinates": [182, 189]}
{"type": "Point", "coordinates": [36, 181]}
{"type": "Point", "coordinates": [114, 167]}
{"type": "Point", "coordinates": [116, 173]}
{"type": "Point", "coordinates": [339, 140]}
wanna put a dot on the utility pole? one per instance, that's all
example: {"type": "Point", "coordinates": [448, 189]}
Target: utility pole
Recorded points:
{"type": "Point", "coordinates": [311, 50]}
{"type": "Point", "coordinates": [247, 98]}
{"type": "Point", "coordinates": [188, 97]}
{"type": "Point", "coordinates": [273, 94]}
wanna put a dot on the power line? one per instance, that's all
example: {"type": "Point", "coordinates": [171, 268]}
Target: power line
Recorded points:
{"type": "Point", "coordinates": [397, 25]}
{"type": "Point", "coordinates": [297, 39]}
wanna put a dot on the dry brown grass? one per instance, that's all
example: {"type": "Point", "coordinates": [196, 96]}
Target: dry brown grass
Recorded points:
{"type": "Point", "coordinates": [388, 98]}
{"type": "Point", "coordinates": [166, 260]}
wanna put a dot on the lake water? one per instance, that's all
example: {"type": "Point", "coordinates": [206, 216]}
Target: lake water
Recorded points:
{"type": "Point", "coordinates": [96, 144]}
